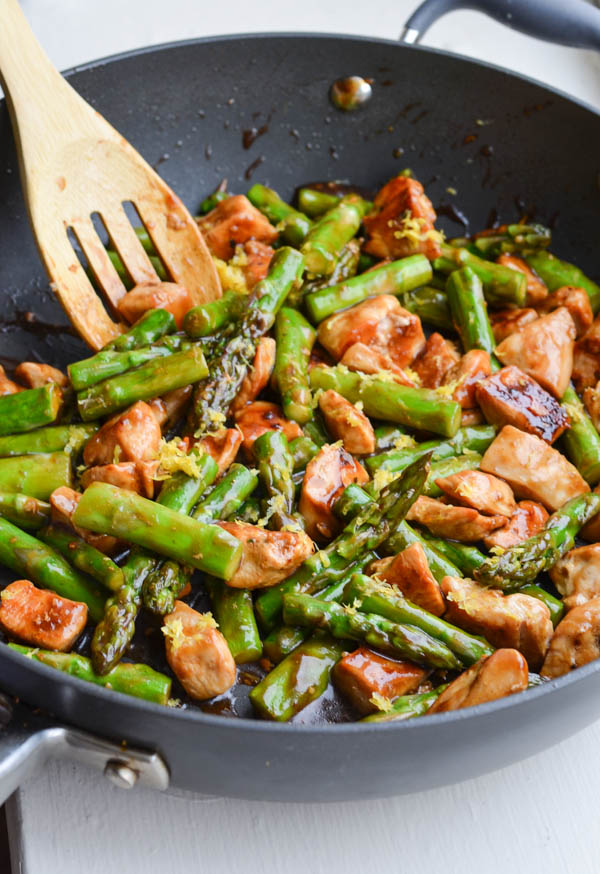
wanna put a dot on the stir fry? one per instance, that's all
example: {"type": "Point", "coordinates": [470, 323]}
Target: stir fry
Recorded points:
{"type": "Point", "coordinates": [377, 455]}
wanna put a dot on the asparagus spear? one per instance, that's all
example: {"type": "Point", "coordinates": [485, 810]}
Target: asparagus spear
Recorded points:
{"type": "Point", "coordinates": [352, 501]}
{"type": "Point", "coordinates": [141, 681]}
{"type": "Point", "coordinates": [151, 380]}
{"type": "Point", "coordinates": [315, 203]}
{"type": "Point", "coordinates": [466, 557]}
{"type": "Point", "coordinates": [407, 706]}
{"type": "Point", "coordinates": [35, 475]}
{"type": "Point", "coordinates": [293, 225]}
{"type": "Point", "coordinates": [233, 609]}
{"type": "Point", "coordinates": [153, 325]}
{"type": "Point", "coordinates": [214, 199]}
{"type": "Point", "coordinates": [395, 278]}
{"type": "Point", "coordinates": [448, 466]}
{"type": "Point", "coordinates": [554, 605]}
{"type": "Point", "coordinates": [556, 273]}
{"type": "Point", "coordinates": [475, 438]}
{"type": "Point", "coordinates": [105, 364]}
{"type": "Point", "coordinates": [517, 238]}
{"type": "Point", "coordinates": [363, 533]}
{"type": "Point", "coordinates": [41, 564]}
{"type": "Point", "coordinates": [381, 599]}
{"type": "Point", "coordinates": [181, 492]}
{"type": "Point", "coordinates": [316, 430]}
{"type": "Point", "coordinates": [330, 233]}
{"type": "Point", "coordinates": [23, 510]}
{"type": "Point", "coordinates": [124, 275]}
{"type": "Point", "coordinates": [345, 268]}
{"type": "Point", "coordinates": [300, 678]}
{"type": "Point", "coordinates": [387, 436]}
{"type": "Point", "coordinates": [502, 286]}
{"type": "Point", "coordinates": [581, 442]}
{"type": "Point", "coordinates": [295, 339]}
{"type": "Point", "coordinates": [209, 317]}
{"type": "Point", "coordinates": [521, 564]}
{"type": "Point", "coordinates": [275, 466]}
{"type": "Point", "coordinates": [430, 304]}
{"type": "Point", "coordinates": [213, 397]}
{"type": "Point", "coordinates": [346, 623]}
{"type": "Point", "coordinates": [30, 409]}
{"type": "Point", "coordinates": [469, 310]}
{"type": "Point", "coordinates": [54, 438]}
{"type": "Point", "coordinates": [303, 449]}
{"type": "Point", "coordinates": [83, 556]}
{"type": "Point", "coordinates": [418, 408]}
{"type": "Point", "coordinates": [228, 495]}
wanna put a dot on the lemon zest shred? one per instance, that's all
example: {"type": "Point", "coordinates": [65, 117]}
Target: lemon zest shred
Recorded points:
{"type": "Point", "coordinates": [383, 704]}
{"type": "Point", "coordinates": [173, 458]}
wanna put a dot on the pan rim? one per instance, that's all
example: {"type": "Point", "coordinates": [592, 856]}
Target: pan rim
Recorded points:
{"type": "Point", "coordinates": [195, 716]}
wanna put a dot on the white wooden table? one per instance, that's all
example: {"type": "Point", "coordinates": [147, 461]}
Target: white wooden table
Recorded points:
{"type": "Point", "coordinates": [538, 816]}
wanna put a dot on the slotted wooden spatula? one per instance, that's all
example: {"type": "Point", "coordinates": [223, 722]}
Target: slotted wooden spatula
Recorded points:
{"type": "Point", "coordinates": [74, 165]}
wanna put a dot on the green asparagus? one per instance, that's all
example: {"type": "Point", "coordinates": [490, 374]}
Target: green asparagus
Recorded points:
{"type": "Point", "coordinates": [581, 442]}
{"type": "Point", "coordinates": [295, 339]}
{"type": "Point", "coordinates": [23, 510]}
{"type": "Point", "coordinates": [90, 371]}
{"type": "Point", "coordinates": [207, 318]}
{"type": "Point", "coordinates": [475, 438]}
{"type": "Point", "coordinates": [556, 273]}
{"type": "Point", "coordinates": [275, 467]}
{"type": "Point", "coordinates": [153, 325]}
{"type": "Point", "coordinates": [430, 304]}
{"type": "Point", "coordinates": [325, 240]}
{"type": "Point", "coordinates": [35, 475]}
{"type": "Point", "coordinates": [469, 310]}
{"type": "Point", "coordinates": [70, 438]}
{"type": "Point", "coordinates": [30, 409]}
{"type": "Point", "coordinates": [292, 224]}
{"type": "Point", "coordinates": [233, 609]}
{"type": "Point", "coordinates": [83, 556]}
{"type": "Point", "coordinates": [502, 286]}
{"type": "Point", "coordinates": [407, 706]}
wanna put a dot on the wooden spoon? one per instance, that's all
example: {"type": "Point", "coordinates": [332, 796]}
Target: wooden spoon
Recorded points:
{"type": "Point", "coordinates": [75, 164]}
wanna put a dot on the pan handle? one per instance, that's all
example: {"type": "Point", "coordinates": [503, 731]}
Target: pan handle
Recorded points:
{"type": "Point", "coordinates": [28, 739]}
{"type": "Point", "coordinates": [568, 22]}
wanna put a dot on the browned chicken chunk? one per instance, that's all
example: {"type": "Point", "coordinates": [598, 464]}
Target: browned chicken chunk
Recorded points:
{"type": "Point", "coordinates": [326, 477]}
{"type": "Point", "coordinates": [544, 350]}
{"type": "Point", "coordinates": [591, 399]}
{"type": "Point", "coordinates": [438, 359]}
{"type": "Point", "coordinates": [506, 322]}
{"type": "Point", "coordinates": [131, 475]}
{"type": "Point", "coordinates": [366, 359]}
{"type": "Point", "coordinates": [471, 417]}
{"type": "Point", "coordinates": [255, 265]}
{"type": "Point", "coordinates": [466, 374]}
{"type": "Point", "coordinates": [517, 621]}
{"type": "Point", "coordinates": [409, 572]}
{"type": "Point", "coordinates": [7, 386]}
{"type": "Point", "coordinates": [63, 503]}
{"type": "Point", "coordinates": [576, 640]}
{"type": "Point", "coordinates": [363, 676]}
{"type": "Point", "coordinates": [511, 397]}
{"type": "Point", "coordinates": [34, 375]}
{"type": "Point", "coordinates": [536, 289]}
{"type": "Point", "coordinates": [133, 435]}
{"type": "Point", "coordinates": [222, 445]}
{"type": "Point", "coordinates": [577, 575]}
{"type": "Point", "coordinates": [41, 618]}
{"type": "Point", "coordinates": [455, 523]}
{"type": "Point", "coordinates": [402, 221]}
{"type": "Point", "coordinates": [261, 416]}
{"type": "Point", "coordinates": [169, 408]}
{"type": "Point", "coordinates": [346, 423]}
{"type": "Point", "coordinates": [532, 468]}
{"type": "Point", "coordinates": [528, 519]}
{"type": "Point", "coordinates": [586, 368]}
{"type": "Point", "coordinates": [577, 301]}
{"type": "Point", "coordinates": [233, 221]}
{"type": "Point", "coordinates": [590, 340]}
{"type": "Point", "coordinates": [198, 653]}
{"type": "Point", "coordinates": [258, 376]}
{"type": "Point", "coordinates": [502, 673]}
{"type": "Point", "coordinates": [268, 557]}
{"type": "Point", "coordinates": [481, 491]}
{"type": "Point", "coordinates": [151, 295]}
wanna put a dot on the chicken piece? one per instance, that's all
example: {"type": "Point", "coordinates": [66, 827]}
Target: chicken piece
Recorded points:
{"type": "Point", "coordinates": [506, 322]}
{"type": "Point", "coordinates": [34, 375]}
{"type": "Point", "coordinates": [586, 368]}
{"type": "Point", "coordinates": [258, 376]}
{"type": "Point", "coordinates": [258, 257]}
{"type": "Point", "coordinates": [528, 519]}
{"type": "Point", "coordinates": [576, 640]}
{"type": "Point", "coordinates": [481, 491]}
{"type": "Point", "coordinates": [438, 359]}
{"type": "Point", "coordinates": [402, 221]}
{"type": "Point", "coordinates": [536, 289]}
{"type": "Point", "coordinates": [261, 416]}
{"type": "Point", "coordinates": [590, 340]}
{"type": "Point", "coordinates": [268, 557]}
{"type": "Point", "coordinates": [169, 408]}
{"type": "Point", "coordinates": [544, 350]}
{"type": "Point", "coordinates": [380, 323]}
{"type": "Point", "coordinates": [511, 397]}
{"type": "Point", "coordinates": [222, 445]}
{"type": "Point", "coordinates": [514, 621]}
{"type": "Point", "coordinates": [502, 673]}
{"type": "Point", "coordinates": [63, 503]}
{"type": "Point", "coordinates": [409, 572]}
{"type": "Point", "coordinates": [456, 523]}
{"type": "Point", "coordinates": [7, 386]}
{"type": "Point", "coordinates": [151, 295]}
{"type": "Point", "coordinates": [234, 220]}
{"type": "Point", "coordinates": [326, 477]}
{"type": "Point", "coordinates": [577, 301]}
{"type": "Point", "coordinates": [131, 475]}
{"type": "Point", "coordinates": [363, 674]}
{"type": "Point", "coordinates": [532, 468]}
{"type": "Point", "coordinates": [133, 435]}
{"type": "Point", "coordinates": [591, 399]}
{"type": "Point", "coordinates": [468, 418]}
{"type": "Point", "coordinates": [365, 359]}
{"type": "Point", "coordinates": [466, 374]}
{"type": "Point", "coordinates": [197, 653]}
{"type": "Point", "coordinates": [347, 423]}
{"type": "Point", "coordinates": [41, 618]}
{"type": "Point", "coordinates": [577, 575]}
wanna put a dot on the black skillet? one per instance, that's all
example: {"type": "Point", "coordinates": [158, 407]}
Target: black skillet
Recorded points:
{"type": "Point", "coordinates": [257, 108]}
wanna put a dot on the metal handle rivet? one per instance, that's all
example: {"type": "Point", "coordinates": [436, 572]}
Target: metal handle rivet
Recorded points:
{"type": "Point", "coordinates": [122, 775]}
